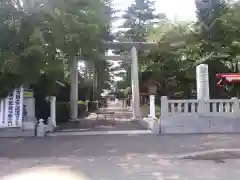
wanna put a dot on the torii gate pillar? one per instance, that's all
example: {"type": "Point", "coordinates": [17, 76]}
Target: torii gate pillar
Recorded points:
{"type": "Point", "coordinates": [135, 86]}
{"type": "Point", "coordinates": [74, 90]}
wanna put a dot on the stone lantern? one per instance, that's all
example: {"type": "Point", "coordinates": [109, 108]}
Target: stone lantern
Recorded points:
{"type": "Point", "coordinates": [152, 87]}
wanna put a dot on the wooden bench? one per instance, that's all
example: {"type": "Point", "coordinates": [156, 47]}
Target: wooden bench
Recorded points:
{"type": "Point", "coordinates": [105, 114]}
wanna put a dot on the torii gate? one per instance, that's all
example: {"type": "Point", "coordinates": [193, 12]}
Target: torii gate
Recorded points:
{"type": "Point", "coordinates": [134, 47]}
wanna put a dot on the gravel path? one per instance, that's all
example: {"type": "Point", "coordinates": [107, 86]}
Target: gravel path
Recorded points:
{"type": "Point", "coordinates": [122, 157]}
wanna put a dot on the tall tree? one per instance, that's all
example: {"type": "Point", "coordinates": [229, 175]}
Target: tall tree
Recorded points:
{"type": "Point", "coordinates": [137, 19]}
{"type": "Point", "coordinates": [208, 13]}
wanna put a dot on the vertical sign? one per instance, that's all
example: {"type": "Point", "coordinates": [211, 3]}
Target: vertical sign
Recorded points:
{"type": "Point", "coordinates": [13, 112]}
{"type": "Point", "coordinates": [2, 122]}
{"type": "Point", "coordinates": [18, 111]}
{"type": "Point", "coordinates": [9, 107]}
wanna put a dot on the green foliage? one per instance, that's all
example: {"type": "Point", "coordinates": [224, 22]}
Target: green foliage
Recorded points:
{"type": "Point", "coordinates": [44, 38]}
{"type": "Point", "coordinates": [63, 111]}
{"type": "Point", "coordinates": [137, 18]}
{"type": "Point", "coordinates": [212, 40]}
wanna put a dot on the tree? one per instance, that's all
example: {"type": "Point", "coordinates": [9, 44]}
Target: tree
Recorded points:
{"type": "Point", "coordinates": [47, 37]}
{"type": "Point", "coordinates": [137, 20]}
{"type": "Point", "coordinates": [21, 45]}
{"type": "Point", "coordinates": [138, 17]}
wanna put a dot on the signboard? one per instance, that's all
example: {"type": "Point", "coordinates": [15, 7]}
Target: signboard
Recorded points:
{"type": "Point", "coordinates": [11, 109]}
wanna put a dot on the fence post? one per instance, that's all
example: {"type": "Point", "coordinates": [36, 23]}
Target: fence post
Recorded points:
{"type": "Point", "coordinates": [53, 110]}
{"type": "Point", "coordinates": [235, 105]}
{"type": "Point", "coordinates": [202, 106]}
{"type": "Point", "coordinates": [50, 125]}
{"type": "Point", "coordinates": [164, 105]}
{"type": "Point", "coordinates": [41, 128]}
{"type": "Point", "coordinates": [152, 107]}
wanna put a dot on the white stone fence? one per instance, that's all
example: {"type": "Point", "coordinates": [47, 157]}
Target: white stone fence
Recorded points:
{"type": "Point", "coordinates": [199, 116]}
{"type": "Point", "coordinates": [193, 106]}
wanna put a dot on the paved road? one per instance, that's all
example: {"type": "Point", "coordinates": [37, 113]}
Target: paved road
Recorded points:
{"type": "Point", "coordinates": [121, 156]}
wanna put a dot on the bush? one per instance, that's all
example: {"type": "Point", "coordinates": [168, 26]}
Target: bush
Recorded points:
{"type": "Point", "coordinates": [81, 109]}
{"type": "Point", "coordinates": [63, 111]}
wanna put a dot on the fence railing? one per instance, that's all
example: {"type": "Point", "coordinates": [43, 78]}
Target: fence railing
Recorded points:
{"type": "Point", "coordinates": [194, 106]}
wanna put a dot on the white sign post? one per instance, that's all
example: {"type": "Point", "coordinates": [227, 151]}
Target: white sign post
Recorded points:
{"type": "Point", "coordinates": [11, 109]}
{"type": "Point", "coordinates": [202, 78]}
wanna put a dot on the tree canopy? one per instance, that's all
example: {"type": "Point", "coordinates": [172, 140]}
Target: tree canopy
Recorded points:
{"type": "Point", "coordinates": [213, 39]}
{"type": "Point", "coordinates": [43, 37]}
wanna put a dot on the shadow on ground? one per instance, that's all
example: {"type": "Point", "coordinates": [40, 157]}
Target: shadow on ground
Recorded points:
{"type": "Point", "coordinates": [100, 125]}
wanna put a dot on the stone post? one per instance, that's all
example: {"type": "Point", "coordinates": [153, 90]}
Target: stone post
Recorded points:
{"type": "Point", "coordinates": [164, 106]}
{"type": "Point", "coordinates": [135, 86]}
{"type": "Point", "coordinates": [152, 107]}
{"type": "Point", "coordinates": [53, 110]}
{"type": "Point", "coordinates": [202, 81]}
{"type": "Point", "coordinates": [202, 106]}
{"type": "Point", "coordinates": [74, 90]}
{"type": "Point", "coordinates": [235, 105]}
{"type": "Point", "coordinates": [41, 128]}
{"type": "Point", "coordinates": [50, 126]}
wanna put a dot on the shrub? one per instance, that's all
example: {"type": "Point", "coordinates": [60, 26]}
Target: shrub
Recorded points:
{"type": "Point", "coordinates": [63, 111]}
{"type": "Point", "coordinates": [92, 106]}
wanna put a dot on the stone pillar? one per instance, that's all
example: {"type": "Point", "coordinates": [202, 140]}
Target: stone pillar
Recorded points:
{"type": "Point", "coordinates": [164, 106]}
{"type": "Point", "coordinates": [29, 118]}
{"type": "Point", "coordinates": [53, 110]}
{"type": "Point", "coordinates": [135, 86]}
{"type": "Point", "coordinates": [152, 107]}
{"type": "Point", "coordinates": [1, 110]}
{"type": "Point", "coordinates": [202, 82]}
{"type": "Point", "coordinates": [74, 90]}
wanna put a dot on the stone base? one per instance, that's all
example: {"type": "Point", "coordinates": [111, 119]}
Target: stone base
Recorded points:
{"type": "Point", "coordinates": [150, 124]}
{"type": "Point", "coordinates": [200, 124]}
{"type": "Point", "coordinates": [136, 119]}
{"type": "Point", "coordinates": [16, 132]}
